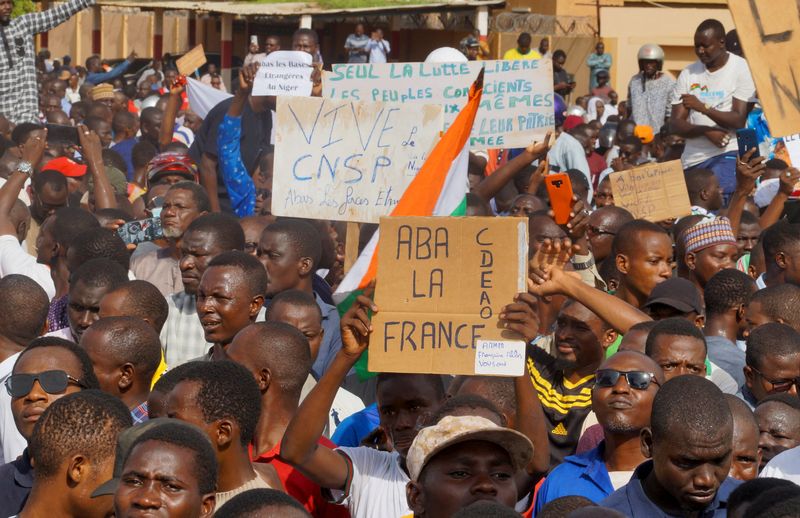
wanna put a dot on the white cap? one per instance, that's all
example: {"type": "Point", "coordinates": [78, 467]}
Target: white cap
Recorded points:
{"type": "Point", "coordinates": [446, 55]}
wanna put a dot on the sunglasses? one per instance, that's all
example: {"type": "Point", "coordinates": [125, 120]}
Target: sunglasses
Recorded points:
{"type": "Point", "coordinates": [53, 382]}
{"type": "Point", "coordinates": [638, 380]}
{"type": "Point", "coordinates": [779, 385]}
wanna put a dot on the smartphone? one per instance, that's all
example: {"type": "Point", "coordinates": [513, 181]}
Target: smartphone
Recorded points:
{"type": "Point", "coordinates": [747, 141]}
{"type": "Point", "coordinates": [559, 189]}
{"type": "Point", "coordinates": [63, 134]}
{"type": "Point", "coordinates": [140, 231]}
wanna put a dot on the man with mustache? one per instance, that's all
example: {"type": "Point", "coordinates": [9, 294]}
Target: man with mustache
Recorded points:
{"type": "Point", "coordinates": [622, 398]}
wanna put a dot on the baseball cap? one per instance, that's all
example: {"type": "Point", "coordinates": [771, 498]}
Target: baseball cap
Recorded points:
{"type": "Point", "coordinates": [644, 133]}
{"type": "Point", "coordinates": [66, 166]}
{"type": "Point", "coordinates": [472, 42]}
{"type": "Point", "coordinates": [125, 441]}
{"type": "Point", "coordinates": [676, 293]}
{"type": "Point", "coordinates": [452, 430]}
{"type": "Point", "coordinates": [171, 163]}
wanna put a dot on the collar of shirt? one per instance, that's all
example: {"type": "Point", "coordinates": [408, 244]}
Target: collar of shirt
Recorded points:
{"type": "Point", "coordinates": [140, 414]}
{"type": "Point", "coordinates": [641, 505]}
{"type": "Point", "coordinates": [761, 282]}
{"type": "Point", "coordinates": [594, 466]}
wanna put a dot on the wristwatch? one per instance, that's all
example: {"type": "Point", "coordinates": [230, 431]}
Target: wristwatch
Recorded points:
{"type": "Point", "coordinates": [25, 167]}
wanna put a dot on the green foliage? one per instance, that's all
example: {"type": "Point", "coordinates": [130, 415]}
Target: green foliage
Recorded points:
{"type": "Point", "coordinates": [22, 7]}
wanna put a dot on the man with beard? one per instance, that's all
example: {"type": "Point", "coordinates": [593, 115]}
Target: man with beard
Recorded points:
{"type": "Point", "coordinates": [622, 399]}
{"type": "Point", "coordinates": [564, 382]}
{"type": "Point", "coordinates": [183, 203]}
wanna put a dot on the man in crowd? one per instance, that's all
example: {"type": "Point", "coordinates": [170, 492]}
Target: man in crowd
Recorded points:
{"type": "Point", "coordinates": [169, 455]}
{"type": "Point", "coordinates": [643, 256]}
{"type": "Point", "coordinates": [709, 104]}
{"type": "Point", "coordinates": [650, 91]}
{"type": "Point", "coordinates": [523, 49]}
{"type": "Point", "coordinates": [18, 88]}
{"type": "Point", "coordinates": [222, 399]}
{"type": "Point", "coordinates": [206, 237]}
{"type": "Point", "coordinates": [73, 444]}
{"type": "Point", "coordinates": [622, 399]}
{"type": "Point", "coordinates": [747, 453]}
{"type": "Point", "coordinates": [88, 285]}
{"type": "Point", "coordinates": [125, 353]}
{"type": "Point", "coordinates": [772, 362]}
{"type": "Point", "coordinates": [778, 419]}
{"type": "Point", "coordinates": [276, 354]}
{"type": "Point", "coordinates": [670, 483]}
{"type": "Point", "coordinates": [356, 45]}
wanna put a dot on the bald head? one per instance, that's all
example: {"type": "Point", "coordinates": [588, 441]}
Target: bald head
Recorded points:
{"type": "Point", "coordinates": [277, 348]}
{"type": "Point", "coordinates": [700, 404]}
{"type": "Point", "coordinates": [112, 342]}
{"type": "Point", "coordinates": [138, 299]}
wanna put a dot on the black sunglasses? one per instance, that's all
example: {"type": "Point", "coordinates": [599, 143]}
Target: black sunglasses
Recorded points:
{"type": "Point", "coordinates": [53, 382]}
{"type": "Point", "coordinates": [779, 385]}
{"type": "Point", "coordinates": [638, 380]}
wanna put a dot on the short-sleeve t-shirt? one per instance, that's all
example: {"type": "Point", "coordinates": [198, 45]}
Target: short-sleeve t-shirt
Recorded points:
{"type": "Point", "coordinates": [515, 54]}
{"type": "Point", "coordinates": [379, 483]}
{"type": "Point", "coordinates": [716, 89]}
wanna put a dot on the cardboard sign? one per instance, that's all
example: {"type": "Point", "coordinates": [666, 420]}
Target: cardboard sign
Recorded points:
{"type": "Point", "coordinates": [348, 161]}
{"type": "Point", "coordinates": [284, 72]}
{"type": "Point", "coordinates": [191, 61]}
{"type": "Point", "coordinates": [769, 31]}
{"type": "Point", "coordinates": [654, 191]}
{"type": "Point", "coordinates": [516, 108]}
{"type": "Point", "coordinates": [443, 283]}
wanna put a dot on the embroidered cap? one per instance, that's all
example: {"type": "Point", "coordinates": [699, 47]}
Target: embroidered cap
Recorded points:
{"type": "Point", "coordinates": [452, 430]}
{"type": "Point", "coordinates": [104, 91]}
{"type": "Point", "coordinates": [709, 232]}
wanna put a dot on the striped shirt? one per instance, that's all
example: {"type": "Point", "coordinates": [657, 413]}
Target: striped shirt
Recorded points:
{"type": "Point", "coordinates": [565, 404]}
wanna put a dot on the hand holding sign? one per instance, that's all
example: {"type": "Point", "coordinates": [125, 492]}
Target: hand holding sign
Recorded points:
{"type": "Point", "coordinates": [284, 72]}
{"type": "Point", "coordinates": [356, 325]}
{"type": "Point", "coordinates": [247, 76]}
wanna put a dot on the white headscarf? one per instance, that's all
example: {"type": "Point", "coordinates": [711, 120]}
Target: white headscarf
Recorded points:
{"type": "Point", "coordinates": [591, 110]}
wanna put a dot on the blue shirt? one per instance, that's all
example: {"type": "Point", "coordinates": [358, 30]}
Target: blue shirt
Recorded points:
{"type": "Point", "coordinates": [331, 342]}
{"type": "Point", "coordinates": [584, 475]}
{"type": "Point", "coordinates": [238, 181]}
{"type": "Point", "coordinates": [631, 499]}
{"type": "Point", "coordinates": [125, 150]}
{"type": "Point", "coordinates": [101, 77]}
{"type": "Point", "coordinates": [16, 481]}
{"type": "Point", "coordinates": [353, 429]}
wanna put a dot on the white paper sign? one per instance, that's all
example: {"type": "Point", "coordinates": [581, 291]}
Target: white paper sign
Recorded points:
{"type": "Point", "coordinates": [284, 72]}
{"type": "Point", "coordinates": [348, 161]}
{"type": "Point", "coordinates": [500, 357]}
{"type": "Point", "coordinates": [517, 106]}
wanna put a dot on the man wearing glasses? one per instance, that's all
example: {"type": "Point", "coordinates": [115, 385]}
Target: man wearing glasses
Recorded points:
{"type": "Point", "coordinates": [772, 362]}
{"type": "Point", "coordinates": [622, 398]}
{"type": "Point", "coordinates": [18, 89]}
{"type": "Point", "coordinates": [48, 369]}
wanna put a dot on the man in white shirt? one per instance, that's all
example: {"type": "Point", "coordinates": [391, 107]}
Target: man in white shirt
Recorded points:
{"type": "Point", "coordinates": [379, 48]}
{"type": "Point", "coordinates": [785, 465]}
{"type": "Point", "coordinates": [710, 103]}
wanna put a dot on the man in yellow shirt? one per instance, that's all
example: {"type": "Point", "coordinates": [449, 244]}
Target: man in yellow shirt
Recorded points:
{"type": "Point", "coordinates": [523, 50]}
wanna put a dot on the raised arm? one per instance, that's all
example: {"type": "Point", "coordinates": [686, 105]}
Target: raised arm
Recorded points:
{"type": "Point", "coordinates": [748, 169]}
{"type": "Point", "coordinates": [117, 71]}
{"type": "Point", "coordinates": [51, 18]}
{"type": "Point", "coordinates": [299, 446]}
{"type": "Point", "coordinates": [237, 179]}
{"type": "Point", "coordinates": [492, 184]}
{"type": "Point", "coordinates": [208, 179]}
{"type": "Point", "coordinates": [92, 152]}
{"type": "Point", "coordinates": [774, 211]}
{"type": "Point", "coordinates": [171, 112]}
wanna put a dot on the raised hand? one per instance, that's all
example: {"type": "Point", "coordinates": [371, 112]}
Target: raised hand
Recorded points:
{"type": "Point", "coordinates": [521, 316]}
{"type": "Point", "coordinates": [788, 180]}
{"type": "Point", "coordinates": [91, 148]}
{"type": "Point", "coordinates": [247, 76]}
{"type": "Point", "coordinates": [748, 169]}
{"type": "Point", "coordinates": [356, 324]}
{"type": "Point", "coordinates": [553, 253]}
{"type": "Point", "coordinates": [540, 148]}
{"type": "Point", "coordinates": [33, 149]}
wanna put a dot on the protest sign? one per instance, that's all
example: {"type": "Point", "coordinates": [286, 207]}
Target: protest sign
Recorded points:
{"type": "Point", "coordinates": [191, 61]}
{"type": "Point", "coordinates": [443, 283]}
{"type": "Point", "coordinates": [516, 107]}
{"type": "Point", "coordinates": [654, 191]}
{"type": "Point", "coordinates": [284, 72]}
{"type": "Point", "coordinates": [348, 161]}
{"type": "Point", "coordinates": [769, 31]}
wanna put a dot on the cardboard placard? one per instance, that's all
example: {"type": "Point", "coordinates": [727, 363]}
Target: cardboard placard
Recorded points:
{"type": "Point", "coordinates": [654, 191]}
{"type": "Point", "coordinates": [769, 31]}
{"type": "Point", "coordinates": [442, 285]}
{"type": "Point", "coordinates": [516, 108]}
{"type": "Point", "coordinates": [348, 161]}
{"type": "Point", "coordinates": [191, 61]}
{"type": "Point", "coordinates": [284, 72]}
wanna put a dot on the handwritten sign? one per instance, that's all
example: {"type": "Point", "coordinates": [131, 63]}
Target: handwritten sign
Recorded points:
{"type": "Point", "coordinates": [348, 161]}
{"type": "Point", "coordinates": [516, 108]}
{"type": "Point", "coordinates": [284, 72]}
{"type": "Point", "coordinates": [654, 191]}
{"type": "Point", "coordinates": [769, 31]}
{"type": "Point", "coordinates": [191, 61]}
{"type": "Point", "coordinates": [443, 283]}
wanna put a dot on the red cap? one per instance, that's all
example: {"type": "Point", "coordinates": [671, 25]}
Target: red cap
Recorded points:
{"type": "Point", "coordinates": [572, 121]}
{"type": "Point", "coordinates": [66, 166]}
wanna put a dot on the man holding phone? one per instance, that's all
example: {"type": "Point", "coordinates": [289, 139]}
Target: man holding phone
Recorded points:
{"type": "Point", "coordinates": [710, 104]}
{"type": "Point", "coordinates": [18, 88]}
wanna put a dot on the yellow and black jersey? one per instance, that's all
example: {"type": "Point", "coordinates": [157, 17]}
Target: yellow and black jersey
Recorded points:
{"type": "Point", "coordinates": [565, 404]}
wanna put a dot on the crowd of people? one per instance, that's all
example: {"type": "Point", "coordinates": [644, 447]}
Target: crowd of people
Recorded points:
{"type": "Point", "coordinates": [206, 370]}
